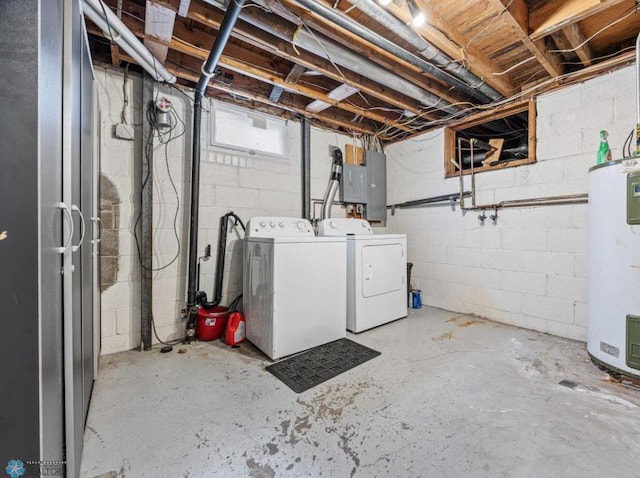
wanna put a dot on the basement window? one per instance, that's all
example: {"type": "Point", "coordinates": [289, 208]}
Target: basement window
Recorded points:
{"type": "Point", "coordinates": [242, 130]}
{"type": "Point", "coordinates": [502, 138]}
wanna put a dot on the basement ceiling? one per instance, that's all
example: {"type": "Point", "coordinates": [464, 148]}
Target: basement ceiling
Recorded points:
{"type": "Point", "coordinates": [358, 67]}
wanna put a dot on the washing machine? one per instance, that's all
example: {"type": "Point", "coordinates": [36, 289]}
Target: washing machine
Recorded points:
{"type": "Point", "coordinates": [294, 286]}
{"type": "Point", "coordinates": [376, 272]}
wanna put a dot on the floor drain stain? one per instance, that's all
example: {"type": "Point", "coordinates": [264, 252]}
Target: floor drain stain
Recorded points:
{"type": "Point", "coordinates": [568, 384]}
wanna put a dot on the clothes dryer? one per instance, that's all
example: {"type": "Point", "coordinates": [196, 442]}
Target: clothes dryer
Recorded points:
{"type": "Point", "coordinates": [376, 272]}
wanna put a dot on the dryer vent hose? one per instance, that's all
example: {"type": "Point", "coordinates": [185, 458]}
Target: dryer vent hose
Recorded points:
{"type": "Point", "coordinates": [334, 182]}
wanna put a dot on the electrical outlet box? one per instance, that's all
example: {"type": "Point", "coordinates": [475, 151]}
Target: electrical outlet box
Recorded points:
{"type": "Point", "coordinates": [124, 131]}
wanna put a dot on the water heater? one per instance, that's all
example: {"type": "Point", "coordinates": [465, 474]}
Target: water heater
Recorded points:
{"type": "Point", "coordinates": [614, 266]}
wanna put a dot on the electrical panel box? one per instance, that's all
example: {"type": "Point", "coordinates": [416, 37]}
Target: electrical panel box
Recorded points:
{"type": "Point", "coordinates": [353, 187]}
{"type": "Point", "coordinates": [633, 198]}
{"type": "Point", "coordinates": [377, 185]}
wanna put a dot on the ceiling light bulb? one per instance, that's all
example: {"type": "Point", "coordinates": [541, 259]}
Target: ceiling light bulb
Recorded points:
{"type": "Point", "coordinates": [384, 3]}
{"type": "Point", "coordinates": [417, 16]}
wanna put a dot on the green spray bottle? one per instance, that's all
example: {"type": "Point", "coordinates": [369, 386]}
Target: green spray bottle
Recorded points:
{"type": "Point", "coordinates": [604, 151]}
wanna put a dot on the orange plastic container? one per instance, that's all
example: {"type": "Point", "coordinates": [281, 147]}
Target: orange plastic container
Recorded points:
{"type": "Point", "coordinates": [235, 329]}
{"type": "Point", "coordinates": [210, 323]}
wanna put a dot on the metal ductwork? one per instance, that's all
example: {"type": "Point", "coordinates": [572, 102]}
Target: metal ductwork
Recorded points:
{"type": "Point", "coordinates": [334, 183]}
{"type": "Point", "coordinates": [424, 48]}
{"type": "Point", "coordinates": [208, 69]}
{"type": "Point", "coordinates": [117, 32]}
{"type": "Point", "coordinates": [354, 27]}
{"type": "Point", "coordinates": [341, 56]}
{"type": "Point", "coordinates": [329, 50]}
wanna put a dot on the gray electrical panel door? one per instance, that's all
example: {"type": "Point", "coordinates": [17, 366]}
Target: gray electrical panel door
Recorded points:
{"type": "Point", "coordinates": [377, 179]}
{"type": "Point", "coordinates": [354, 184]}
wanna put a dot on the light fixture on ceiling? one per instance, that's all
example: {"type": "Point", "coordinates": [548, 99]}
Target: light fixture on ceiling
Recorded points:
{"type": "Point", "coordinates": [384, 3]}
{"type": "Point", "coordinates": [417, 16]}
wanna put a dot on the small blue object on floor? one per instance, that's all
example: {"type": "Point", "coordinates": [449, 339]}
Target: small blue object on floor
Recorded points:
{"type": "Point", "coordinates": [416, 299]}
{"type": "Point", "coordinates": [317, 365]}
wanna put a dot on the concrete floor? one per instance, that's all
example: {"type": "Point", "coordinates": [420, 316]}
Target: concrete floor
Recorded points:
{"type": "Point", "coordinates": [450, 396]}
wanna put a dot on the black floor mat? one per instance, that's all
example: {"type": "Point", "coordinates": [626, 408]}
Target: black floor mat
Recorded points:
{"type": "Point", "coordinates": [319, 364]}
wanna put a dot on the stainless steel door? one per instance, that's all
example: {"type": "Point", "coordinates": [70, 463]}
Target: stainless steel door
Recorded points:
{"type": "Point", "coordinates": [86, 251]}
{"type": "Point", "coordinates": [72, 194]}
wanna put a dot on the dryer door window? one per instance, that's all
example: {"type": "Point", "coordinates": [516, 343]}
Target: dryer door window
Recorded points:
{"type": "Point", "coordinates": [382, 269]}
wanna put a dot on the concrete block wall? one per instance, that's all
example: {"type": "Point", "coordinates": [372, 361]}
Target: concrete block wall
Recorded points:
{"type": "Point", "coordinates": [529, 269]}
{"type": "Point", "coordinates": [248, 185]}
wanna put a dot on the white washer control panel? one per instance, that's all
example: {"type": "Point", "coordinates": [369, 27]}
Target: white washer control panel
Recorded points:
{"type": "Point", "coordinates": [263, 226]}
{"type": "Point", "coordinates": [341, 226]}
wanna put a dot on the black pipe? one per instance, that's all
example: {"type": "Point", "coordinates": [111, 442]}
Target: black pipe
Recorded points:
{"type": "Point", "coordinates": [430, 200]}
{"type": "Point", "coordinates": [305, 128]}
{"type": "Point", "coordinates": [228, 22]}
{"type": "Point", "coordinates": [221, 253]}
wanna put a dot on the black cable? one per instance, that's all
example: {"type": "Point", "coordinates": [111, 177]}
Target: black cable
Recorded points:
{"type": "Point", "coordinates": [106, 19]}
{"type": "Point", "coordinates": [626, 147]}
{"type": "Point", "coordinates": [171, 344]}
{"type": "Point", "coordinates": [152, 118]}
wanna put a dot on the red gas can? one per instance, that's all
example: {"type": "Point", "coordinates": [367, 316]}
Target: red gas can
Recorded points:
{"type": "Point", "coordinates": [210, 323]}
{"type": "Point", "coordinates": [235, 329]}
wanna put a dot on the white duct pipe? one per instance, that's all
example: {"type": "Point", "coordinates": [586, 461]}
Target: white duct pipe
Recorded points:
{"type": "Point", "coordinates": [112, 25]}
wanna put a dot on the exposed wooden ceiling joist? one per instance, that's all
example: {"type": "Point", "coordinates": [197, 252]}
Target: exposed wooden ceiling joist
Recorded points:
{"type": "Point", "coordinates": [453, 44]}
{"type": "Point", "coordinates": [556, 15]}
{"type": "Point", "coordinates": [579, 43]}
{"type": "Point", "coordinates": [517, 14]}
{"type": "Point", "coordinates": [282, 57]}
{"type": "Point", "coordinates": [258, 72]}
{"type": "Point", "coordinates": [384, 58]}
{"type": "Point", "coordinates": [210, 17]}
{"type": "Point", "coordinates": [285, 105]}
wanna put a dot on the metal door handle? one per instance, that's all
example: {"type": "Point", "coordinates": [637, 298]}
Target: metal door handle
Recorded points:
{"type": "Point", "coordinates": [65, 248]}
{"type": "Point", "coordinates": [82, 227]}
{"type": "Point", "coordinates": [100, 229]}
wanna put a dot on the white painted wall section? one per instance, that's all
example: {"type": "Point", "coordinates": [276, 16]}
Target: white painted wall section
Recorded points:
{"type": "Point", "coordinates": [530, 269]}
{"type": "Point", "coordinates": [248, 185]}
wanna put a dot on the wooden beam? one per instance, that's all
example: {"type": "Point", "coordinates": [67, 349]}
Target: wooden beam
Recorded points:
{"type": "Point", "coordinates": [478, 62]}
{"type": "Point", "coordinates": [261, 72]}
{"type": "Point", "coordinates": [285, 105]}
{"type": "Point", "coordinates": [115, 55]}
{"type": "Point", "coordinates": [579, 43]}
{"type": "Point", "coordinates": [517, 16]}
{"type": "Point", "coordinates": [556, 15]}
{"type": "Point", "coordinates": [115, 49]}
{"type": "Point", "coordinates": [208, 16]}
{"type": "Point", "coordinates": [294, 75]}
{"type": "Point", "coordinates": [296, 72]}
{"type": "Point", "coordinates": [588, 72]}
{"type": "Point", "coordinates": [374, 53]}
{"type": "Point", "coordinates": [269, 76]}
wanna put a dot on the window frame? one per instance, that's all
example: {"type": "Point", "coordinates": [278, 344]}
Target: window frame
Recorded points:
{"type": "Point", "coordinates": [228, 148]}
{"type": "Point", "coordinates": [450, 136]}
